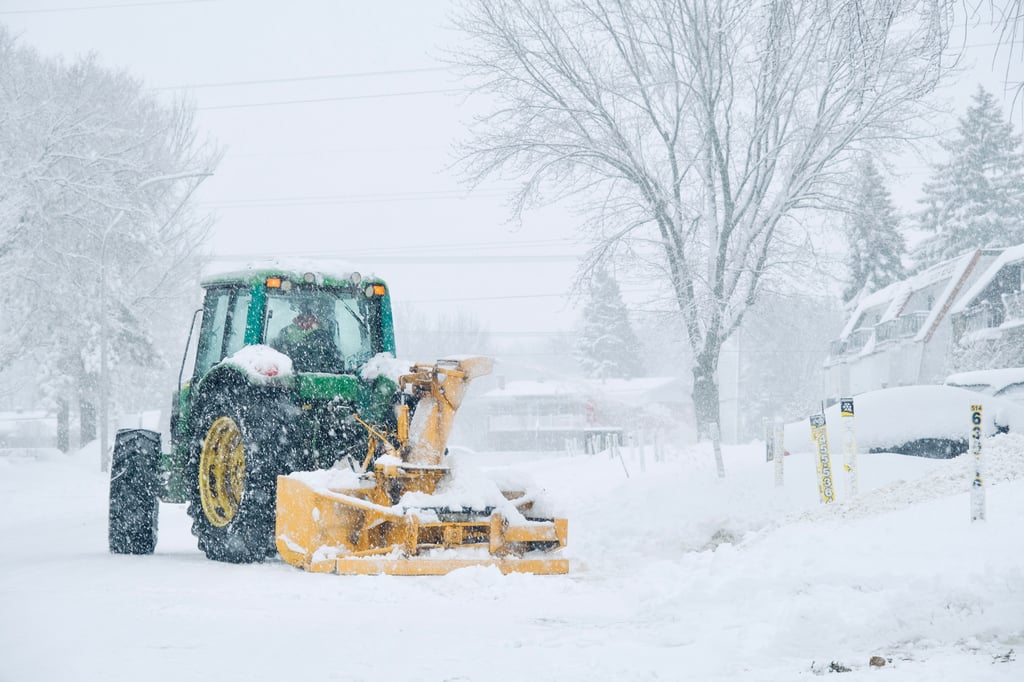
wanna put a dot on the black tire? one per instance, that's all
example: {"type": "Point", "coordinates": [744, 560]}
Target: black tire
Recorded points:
{"type": "Point", "coordinates": [134, 492]}
{"type": "Point", "coordinates": [233, 513]}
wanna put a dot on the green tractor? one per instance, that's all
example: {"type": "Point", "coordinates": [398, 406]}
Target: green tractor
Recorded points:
{"type": "Point", "coordinates": [283, 380]}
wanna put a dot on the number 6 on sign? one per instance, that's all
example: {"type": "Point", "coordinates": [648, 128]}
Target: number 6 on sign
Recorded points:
{"type": "Point", "coordinates": [977, 482]}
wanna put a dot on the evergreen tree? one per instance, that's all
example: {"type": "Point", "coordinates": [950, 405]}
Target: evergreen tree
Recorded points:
{"type": "Point", "coordinates": [976, 198]}
{"type": "Point", "coordinates": [607, 347]}
{"type": "Point", "coordinates": [876, 246]}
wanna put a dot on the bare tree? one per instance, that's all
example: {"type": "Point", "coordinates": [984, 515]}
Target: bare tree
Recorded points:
{"type": "Point", "coordinates": [694, 130]}
{"type": "Point", "coordinates": [1008, 16]}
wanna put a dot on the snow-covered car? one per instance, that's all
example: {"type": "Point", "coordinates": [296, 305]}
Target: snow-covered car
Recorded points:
{"type": "Point", "coordinates": [1002, 383]}
{"type": "Point", "coordinates": [928, 421]}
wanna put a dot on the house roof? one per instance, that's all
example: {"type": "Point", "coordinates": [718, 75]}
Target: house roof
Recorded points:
{"type": "Point", "coordinates": [895, 296]}
{"type": "Point", "coordinates": [1009, 256]}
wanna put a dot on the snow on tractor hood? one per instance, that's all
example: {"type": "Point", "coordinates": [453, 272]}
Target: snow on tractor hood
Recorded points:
{"type": "Point", "coordinates": [385, 365]}
{"type": "Point", "coordinates": [261, 364]}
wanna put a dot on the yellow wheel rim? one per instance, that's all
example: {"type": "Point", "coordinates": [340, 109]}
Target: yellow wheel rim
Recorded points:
{"type": "Point", "coordinates": [222, 471]}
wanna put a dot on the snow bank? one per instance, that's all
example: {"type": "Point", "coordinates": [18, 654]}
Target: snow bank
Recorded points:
{"type": "Point", "coordinates": [676, 574]}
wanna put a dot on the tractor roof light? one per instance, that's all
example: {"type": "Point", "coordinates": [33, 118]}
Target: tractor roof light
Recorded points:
{"type": "Point", "coordinates": [273, 282]}
{"type": "Point", "coordinates": [355, 278]}
{"type": "Point", "coordinates": [309, 278]}
{"type": "Point", "coordinates": [368, 291]}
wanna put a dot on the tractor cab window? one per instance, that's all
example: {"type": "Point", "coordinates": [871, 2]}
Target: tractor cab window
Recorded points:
{"type": "Point", "coordinates": [225, 313]}
{"type": "Point", "coordinates": [211, 334]}
{"type": "Point", "coordinates": [320, 329]}
{"type": "Point", "coordinates": [239, 310]}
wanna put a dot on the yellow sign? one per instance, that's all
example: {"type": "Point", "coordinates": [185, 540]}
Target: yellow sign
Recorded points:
{"type": "Point", "coordinates": [823, 460]}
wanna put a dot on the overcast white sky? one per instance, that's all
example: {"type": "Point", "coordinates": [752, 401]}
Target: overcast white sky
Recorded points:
{"type": "Point", "coordinates": [361, 171]}
{"type": "Point", "coordinates": [323, 157]}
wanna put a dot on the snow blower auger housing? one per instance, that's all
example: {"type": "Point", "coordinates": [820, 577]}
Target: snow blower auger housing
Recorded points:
{"type": "Point", "coordinates": [293, 384]}
{"type": "Point", "coordinates": [390, 521]}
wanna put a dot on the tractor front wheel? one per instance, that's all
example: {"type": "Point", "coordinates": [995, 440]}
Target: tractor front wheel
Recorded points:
{"type": "Point", "coordinates": [239, 447]}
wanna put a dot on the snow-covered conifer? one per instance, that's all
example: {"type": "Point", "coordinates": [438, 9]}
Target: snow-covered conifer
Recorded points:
{"type": "Point", "coordinates": [876, 246]}
{"type": "Point", "coordinates": [607, 346]}
{"type": "Point", "coordinates": [975, 199]}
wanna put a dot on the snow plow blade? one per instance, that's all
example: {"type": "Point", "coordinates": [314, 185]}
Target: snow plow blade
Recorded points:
{"type": "Point", "coordinates": [346, 532]}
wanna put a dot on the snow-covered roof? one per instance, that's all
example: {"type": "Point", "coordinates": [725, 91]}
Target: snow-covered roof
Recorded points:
{"type": "Point", "coordinates": [626, 390]}
{"type": "Point", "coordinates": [291, 268]}
{"type": "Point", "coordinates": [895, 296]}
{"type": "Point", "coordinates": [883, 296]}
{"type": "Point", "coordinates": [1013, 254]}
{"type": "Point", "coordinates": [955, 271]}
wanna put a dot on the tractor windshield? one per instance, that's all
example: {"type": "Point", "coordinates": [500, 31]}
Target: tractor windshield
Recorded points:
{"type": "Point", "coordinates": [323, 329]}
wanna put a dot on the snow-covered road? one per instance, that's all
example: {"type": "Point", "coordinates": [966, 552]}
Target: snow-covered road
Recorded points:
{"type": "Point", "coordinates": [677, 575]}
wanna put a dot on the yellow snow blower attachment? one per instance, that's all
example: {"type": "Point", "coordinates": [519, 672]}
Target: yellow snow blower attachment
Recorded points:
{"type": "Point", "coordinates": [405, 517]}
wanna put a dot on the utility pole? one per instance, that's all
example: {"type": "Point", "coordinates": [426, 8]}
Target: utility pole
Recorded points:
{"type": "Point", "coordinates": [104, 397]}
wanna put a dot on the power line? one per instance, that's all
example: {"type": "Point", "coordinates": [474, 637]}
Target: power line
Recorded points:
{"type": "Point", "coordinates": [332, 151]}
{"type": "Point", "coordinates": [474, 247]}
{"type": "Point", "coordinates": [483, 332]}
{"type": "Point", "coordinates": [413, 248]}
{"type": "Point", "coordinates": [319, 100]}
{"type": "Point", "coordinates": [426, 259]}
{"type": "Point", "coordinates": [480, 298]}
{"type": "Point", "coordinates": [301, 79]}
{"type": "Point", "coordinates": [319, 200]}
{"type": "Point", "coordinates": [80, 8]}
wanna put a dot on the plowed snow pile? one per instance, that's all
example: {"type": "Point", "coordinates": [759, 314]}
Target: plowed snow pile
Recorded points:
{"type": "Point", "coordinates": [677, 575]}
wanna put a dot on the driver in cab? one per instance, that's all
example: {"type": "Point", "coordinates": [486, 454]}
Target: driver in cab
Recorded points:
{"type": "Point", "coordinates": [309, 339]}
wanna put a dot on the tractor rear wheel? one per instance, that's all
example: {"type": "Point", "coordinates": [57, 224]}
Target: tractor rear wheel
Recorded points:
{"type": "Point", "coordinates": [239, 447]}
{"type": "Point", "coordinates": [134, 492]}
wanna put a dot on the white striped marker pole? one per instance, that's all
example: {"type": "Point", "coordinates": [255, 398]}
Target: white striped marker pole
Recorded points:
{"type": "Point", "coordinates": [977, 480]}
{"type": "Point", "coordinates": [780, 450]}
{"type": "Point", "coordinates": [849, 446]}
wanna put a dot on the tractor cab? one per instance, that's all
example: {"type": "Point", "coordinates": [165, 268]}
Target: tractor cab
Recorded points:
{"type": "Point", "coordinates": [330, 325]}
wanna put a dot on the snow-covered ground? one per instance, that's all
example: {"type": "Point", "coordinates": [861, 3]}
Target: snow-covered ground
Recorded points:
{"type": "Point", "coordinates": [677, 575]}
